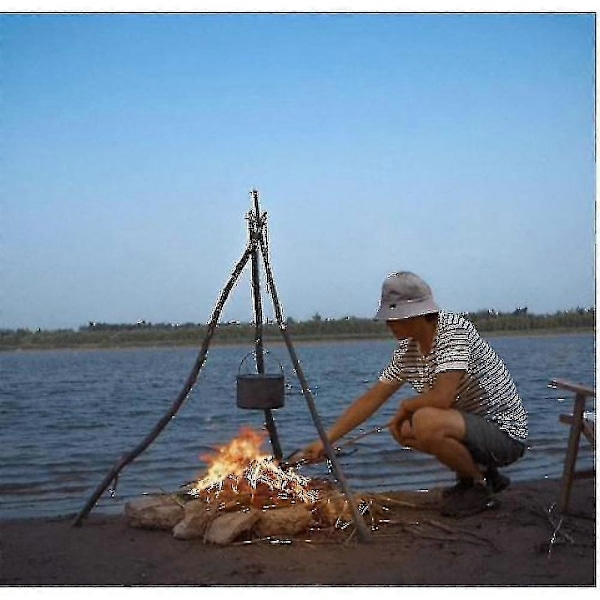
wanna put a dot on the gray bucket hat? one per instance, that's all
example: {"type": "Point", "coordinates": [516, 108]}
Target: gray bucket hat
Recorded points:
{"type": "Point", "coordinates": [405, 295]}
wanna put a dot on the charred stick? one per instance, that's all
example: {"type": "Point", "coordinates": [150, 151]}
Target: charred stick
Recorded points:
{"type": "Point", "coordinates": [355, 439]}
{"type": "Point", "coordinates": [290, 463]}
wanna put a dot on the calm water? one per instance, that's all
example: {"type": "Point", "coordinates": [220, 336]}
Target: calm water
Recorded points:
{"type": "Point", "coordinates": [67, 416]}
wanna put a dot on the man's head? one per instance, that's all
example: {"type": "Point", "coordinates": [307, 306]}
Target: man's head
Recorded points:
{"type": "Point", "coordinates": [405, 295]}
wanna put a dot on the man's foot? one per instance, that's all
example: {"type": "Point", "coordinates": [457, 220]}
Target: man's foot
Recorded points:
{"type": "Point", "coordinates": [462, 483]}
{"type": "Point", "coordinates": [495, 480]}
{"type": "Point", "coordinates": [469, 501]}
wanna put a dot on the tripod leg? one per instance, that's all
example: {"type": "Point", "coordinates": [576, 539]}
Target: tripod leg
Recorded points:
{"type": "Point", "coordinates": [186, 390]}
{"type": "Point", "coordinates": [361, 527]}
{"type": "Point", "coordinates": [254, 226]}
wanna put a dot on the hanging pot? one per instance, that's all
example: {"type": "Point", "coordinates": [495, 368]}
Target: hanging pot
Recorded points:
{"type": "Point", "coordinates": [263, 391]}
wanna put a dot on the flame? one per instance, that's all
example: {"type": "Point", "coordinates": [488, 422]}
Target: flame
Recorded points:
{"type": "Point", "coordinates": [241, 465]}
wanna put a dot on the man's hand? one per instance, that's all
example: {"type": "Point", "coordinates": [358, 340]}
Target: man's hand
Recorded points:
{"type": "Point", "coordinates": [313, 453]}
{"type": "Point", "coordinates": [401, 415]}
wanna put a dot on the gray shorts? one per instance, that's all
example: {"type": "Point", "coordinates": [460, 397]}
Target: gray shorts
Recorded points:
{"type": "Point", "coordinates": [488, 444]}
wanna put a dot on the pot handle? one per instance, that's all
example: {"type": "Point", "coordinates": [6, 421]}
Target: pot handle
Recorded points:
{"type": "Point", "coordinates": [253, 353]}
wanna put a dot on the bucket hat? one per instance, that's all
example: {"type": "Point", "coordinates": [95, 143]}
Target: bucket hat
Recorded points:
{"type": "Point", "coordinates": [405, 295]}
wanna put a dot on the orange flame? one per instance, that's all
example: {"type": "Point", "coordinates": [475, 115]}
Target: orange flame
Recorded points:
{"type": "Point", "coordinates": [241, 463]}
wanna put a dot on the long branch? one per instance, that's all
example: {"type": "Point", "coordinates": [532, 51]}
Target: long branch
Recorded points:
{"type": "Point", "coordinates": [361, 527]}
{"type": "Point", "coordinates": [183, 394]}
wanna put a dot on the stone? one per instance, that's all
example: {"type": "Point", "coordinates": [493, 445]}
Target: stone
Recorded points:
{"type": "Point", "coordinates": [197, 516]}
{"type": "Point", "coordinates": [286, 521]}
{"type": "Point", "coordinates": [227, 527]}
{"type": "Point", "coordinates": [154, 512]}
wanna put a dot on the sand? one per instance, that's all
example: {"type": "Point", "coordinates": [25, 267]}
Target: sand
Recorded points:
{"type": "Point", "coordinates": [508, 546]}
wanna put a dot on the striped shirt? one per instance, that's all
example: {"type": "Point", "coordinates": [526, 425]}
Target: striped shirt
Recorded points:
{"type": "Point", "coordinates": [486, 388]}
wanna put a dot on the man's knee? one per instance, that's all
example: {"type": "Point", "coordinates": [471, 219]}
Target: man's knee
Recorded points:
{"type": "Point", "coordinates": [430, 425]}
{"type": "Point", "coordinates": [425, 422]}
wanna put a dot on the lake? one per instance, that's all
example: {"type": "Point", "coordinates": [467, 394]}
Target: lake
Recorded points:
{"type": "Point", "coordinates": [67, 416]}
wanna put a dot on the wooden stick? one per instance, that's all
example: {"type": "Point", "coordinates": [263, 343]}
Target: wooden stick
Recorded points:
{"type": "Point", "coordinates": [363, 532]}
{"type": "Point", "coordinates": [458, 530]}
{"type": "Point", "coordinates": [181, 398]}
{"type": "Point", "coordinates": [255, 224]}
{"type": "Point", "coordinates": [349, 442]}
{"type": "Point", "coordinates": [355, 439]}
{"type": "Point", "coordinates": [398, 502]}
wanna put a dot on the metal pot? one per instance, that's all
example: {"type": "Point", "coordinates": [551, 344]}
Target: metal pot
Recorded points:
{"type": "Point", "coordinates": [260, 390]}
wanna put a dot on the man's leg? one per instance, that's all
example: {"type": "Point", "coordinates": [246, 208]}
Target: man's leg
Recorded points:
{"type": "Point", "coordinates": [439, 432]}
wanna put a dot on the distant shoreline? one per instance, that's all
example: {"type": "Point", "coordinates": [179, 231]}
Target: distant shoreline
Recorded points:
{"type": "Point", "coordinates": [271, 340]}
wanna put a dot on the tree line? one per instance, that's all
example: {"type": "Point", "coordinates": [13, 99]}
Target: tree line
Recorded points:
{"type": "Point", "coordinates": [142, 333]}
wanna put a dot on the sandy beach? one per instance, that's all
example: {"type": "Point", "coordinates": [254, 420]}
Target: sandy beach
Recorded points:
{"type": "Point", "coordinates": [508, 546]}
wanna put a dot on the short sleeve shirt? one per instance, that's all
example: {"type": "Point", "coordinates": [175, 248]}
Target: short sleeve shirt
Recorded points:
{"type": "Point", "coordinates": [486, 388]}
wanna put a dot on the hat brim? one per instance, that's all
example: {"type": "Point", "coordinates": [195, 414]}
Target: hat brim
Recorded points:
{"type": "Point", "coordinates": [406, 310]}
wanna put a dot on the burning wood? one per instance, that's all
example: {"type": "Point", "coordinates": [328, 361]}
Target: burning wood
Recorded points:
{"type": "Point", "coordinates": [241, 468]}
{"type": "Point", "coordinates": [245, 491]}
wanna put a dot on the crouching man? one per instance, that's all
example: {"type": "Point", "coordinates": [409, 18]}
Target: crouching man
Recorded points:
{"type": "Point", "coordinates": [467, 412]}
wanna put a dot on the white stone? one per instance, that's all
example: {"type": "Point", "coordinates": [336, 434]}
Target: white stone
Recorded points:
{"type": "Point", "coordinates": [229, 526]}
{"type": "Point", "coordinates": [286, 521]}
{"type": "Point", "coordinates": [154, 512]}
{"type": "Point", "coordinates": [195, 522]}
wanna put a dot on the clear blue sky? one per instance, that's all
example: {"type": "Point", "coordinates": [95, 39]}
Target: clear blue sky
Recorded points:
{"type": "Point", "coordinates": [460, 147]}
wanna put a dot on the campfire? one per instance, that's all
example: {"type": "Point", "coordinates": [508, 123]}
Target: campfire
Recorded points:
{"type": "Point", "coordinates": [240, 472]}
{"type": "Point", "coordinates": [245, 494]}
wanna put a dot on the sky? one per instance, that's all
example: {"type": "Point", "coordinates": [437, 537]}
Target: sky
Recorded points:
{"type": "Point", "coordinates": [457, 146]}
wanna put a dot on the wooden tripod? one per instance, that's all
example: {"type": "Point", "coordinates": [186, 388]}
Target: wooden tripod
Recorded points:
{"type": "Point", "coordinates": [257, 247]}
